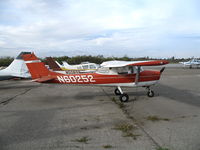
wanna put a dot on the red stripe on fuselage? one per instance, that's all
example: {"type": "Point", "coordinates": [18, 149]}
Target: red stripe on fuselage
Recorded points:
{"type": "Point", "coordinates": [95, 78]}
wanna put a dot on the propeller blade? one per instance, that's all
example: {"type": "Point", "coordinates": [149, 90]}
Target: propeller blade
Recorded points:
{"type": "Point", "coordinates": [161, 70]}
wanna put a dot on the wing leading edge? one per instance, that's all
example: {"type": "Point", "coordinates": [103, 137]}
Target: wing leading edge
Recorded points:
{"type": "Point", "coordinates": [134, 63]}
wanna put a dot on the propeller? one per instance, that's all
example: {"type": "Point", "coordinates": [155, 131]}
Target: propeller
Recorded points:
{"type": "Point", "coordinates": [161, 70]}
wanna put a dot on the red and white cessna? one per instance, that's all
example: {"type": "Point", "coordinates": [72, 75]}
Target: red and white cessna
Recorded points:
{"type": "Point", "coordinates": [111, 73]}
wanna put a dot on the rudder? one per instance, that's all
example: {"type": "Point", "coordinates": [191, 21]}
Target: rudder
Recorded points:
{"type": "Point", "coordinates": [36, 68]}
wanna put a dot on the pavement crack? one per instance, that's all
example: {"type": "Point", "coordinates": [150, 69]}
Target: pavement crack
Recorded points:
{"type": "Point", "coordinates": [134, 120]}
{"type": "Point", "coordinates": [12, 98]}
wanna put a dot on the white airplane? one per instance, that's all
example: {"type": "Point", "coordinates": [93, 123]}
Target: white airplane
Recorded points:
{"type": "Point", "coordinates": [192, 62]}
{"type": "Point", "coordinates": [83, 67]}
{"type": "Point", "coordinates": [17, 68]}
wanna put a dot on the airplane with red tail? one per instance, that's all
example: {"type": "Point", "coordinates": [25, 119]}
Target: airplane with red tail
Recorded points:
{"type": "Point", "coordinates": [111, 73]}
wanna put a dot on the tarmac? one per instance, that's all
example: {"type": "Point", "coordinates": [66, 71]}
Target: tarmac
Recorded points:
{"type": "Point", "coordinates": [37, 116]}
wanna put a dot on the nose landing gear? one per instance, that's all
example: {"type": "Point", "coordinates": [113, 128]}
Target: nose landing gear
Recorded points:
{"type": "Point", "coordinates": [150, 93]}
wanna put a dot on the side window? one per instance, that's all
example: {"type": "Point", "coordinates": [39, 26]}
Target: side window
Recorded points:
{"type": "Point", "coordinates": [92, 67]}
{"type": "Point", "coordinates": [85, 66]}
{"type": "Point", "coordinates": [103, 70]}
{"type": "Point", "coordinates": [122, 70]}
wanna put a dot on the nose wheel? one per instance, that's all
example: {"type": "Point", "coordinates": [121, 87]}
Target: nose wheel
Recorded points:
{"type": "Point", "coordinates": [150, 93]}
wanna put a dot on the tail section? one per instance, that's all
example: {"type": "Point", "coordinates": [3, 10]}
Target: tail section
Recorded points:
{"type": "Point", "coordinates": [52, 64]}
{"type": "Point", "coordinates": [59, 64]}
{"type": "Point", "coordinates": [17, 68]}
{"type": "Point", "coordinates": [65, 64]}
{"type": "Point", "coordinates": [36, 68]}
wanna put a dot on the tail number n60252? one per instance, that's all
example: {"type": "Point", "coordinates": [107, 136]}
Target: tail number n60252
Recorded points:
{"type": "Point", "coordinates": [76, 79]}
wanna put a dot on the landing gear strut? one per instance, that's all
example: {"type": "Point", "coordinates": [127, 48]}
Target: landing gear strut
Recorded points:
{"type": "Point", "coordinates": [150, 93]}
{"type": "Point", "coordinates": [123, 96]}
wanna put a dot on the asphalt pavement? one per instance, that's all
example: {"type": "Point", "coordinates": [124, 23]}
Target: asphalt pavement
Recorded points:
{"type": "Point", "coordinates": [52, 116]}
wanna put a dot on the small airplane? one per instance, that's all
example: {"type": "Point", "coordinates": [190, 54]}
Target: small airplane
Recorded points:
{"type": "Point", "coordinates": [192, 62]}
{"type": "Point", "coordinates": [17, 69]}
{"type": "Point", "coordinates": [83, 67]}
{"type": "Point", "coordinates": [111, 73]}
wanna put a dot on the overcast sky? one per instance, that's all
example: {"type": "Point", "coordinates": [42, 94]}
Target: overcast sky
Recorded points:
{"type": "Point", "coordinates": [155, 28]}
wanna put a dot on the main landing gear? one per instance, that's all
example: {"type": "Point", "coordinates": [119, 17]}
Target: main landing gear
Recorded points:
{"type": "Point", "coordinates": [124, 97]}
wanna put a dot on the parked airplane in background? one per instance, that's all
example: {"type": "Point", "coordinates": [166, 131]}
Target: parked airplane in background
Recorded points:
{"type": "Point", "coordinates": [112, 73]}
{"type": "Point", "coordinates": [55, 66]}
{"type": "Point", "coordinates": [192, 62]}
{"type": "Point", "coordinates": [17, 68]}
{"type": "Point", "coordinates": [83, 67]}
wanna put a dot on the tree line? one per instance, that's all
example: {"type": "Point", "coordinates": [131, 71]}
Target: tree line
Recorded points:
{"type": "Point", "coordinates": [5, 61]}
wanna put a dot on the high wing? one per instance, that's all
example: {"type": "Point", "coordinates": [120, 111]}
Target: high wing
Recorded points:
{"type": "Point", "coordinates": [133, 63]}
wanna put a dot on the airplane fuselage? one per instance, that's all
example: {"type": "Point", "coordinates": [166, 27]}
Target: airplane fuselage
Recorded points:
{"type": "Point", "coordinates": [146, 78]}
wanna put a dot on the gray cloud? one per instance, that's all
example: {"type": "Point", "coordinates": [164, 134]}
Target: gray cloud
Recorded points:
{"type": "Point", "coordinates": [157, 29]}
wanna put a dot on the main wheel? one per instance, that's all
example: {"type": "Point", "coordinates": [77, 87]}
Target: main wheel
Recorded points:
{"type": "Point", "coordinates": [150, 93]}
{"type": "Point", "coordinates": [124, 97]}
{"type": "Point", "coordinates": [117, 92]}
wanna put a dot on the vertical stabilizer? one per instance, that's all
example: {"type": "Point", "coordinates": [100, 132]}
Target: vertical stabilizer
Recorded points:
{"type": "Point", "coordinates": [36, 68]}
{"type": "Point", "coordinates": [52, 64]}
{"type": "Point", "coordinates": [17, 68]}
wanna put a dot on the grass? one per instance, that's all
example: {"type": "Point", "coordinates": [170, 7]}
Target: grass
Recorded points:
{"type": "Point", "coordinates": [114, 100]}
{"type": "Point", "coordinates": [134, 136]}
{"type": "Point", "coordinates": [107, 146]}
{"type": "Point", "coordinates": [156, 118]}
{"type": "Point", "coordinates": [127, 130]}
{"type": "Point", "coordinates": [84, 139]}
{"type": "Point", "coordinates": [125, 127]}
{"type": "Point", "coordinates": [121, 105]}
